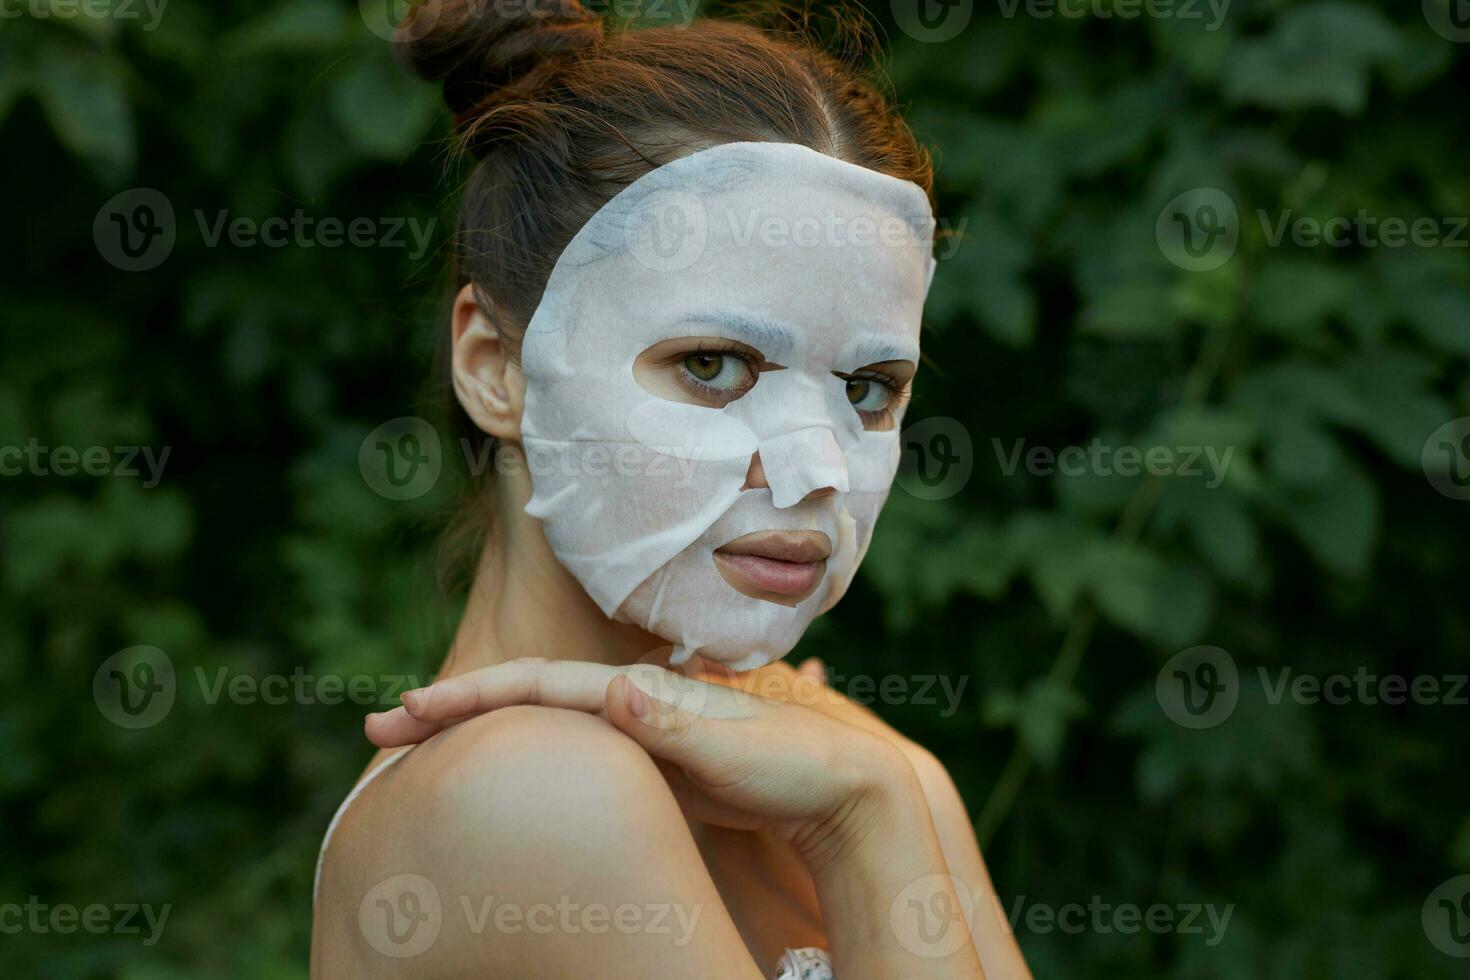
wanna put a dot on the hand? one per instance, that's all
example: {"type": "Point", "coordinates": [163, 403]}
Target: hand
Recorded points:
{"type": "Point", "coordinates": [807, 686]}
{"type": "Point", "coordinates": [736, 759]}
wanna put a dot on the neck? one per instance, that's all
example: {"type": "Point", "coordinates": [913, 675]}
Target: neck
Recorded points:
{"type": "Point", "coordinates": [524, 603]}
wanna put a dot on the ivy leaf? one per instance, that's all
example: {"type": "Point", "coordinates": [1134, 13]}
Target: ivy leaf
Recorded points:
{"type": "Point", "coordinates": [1318, 54]}
{"type": "Point", "coordinates": [1338, 521]}
{"type": "Point", "coordinates": [1039, 715]}
{"type": "Point", "coordinates": [1218, 522]}
{"type": "Point", "coordinates": [87, 104]}
{"type": "Point", "coordinates": [1132, 311]}
{"type": "Point", "coordinates": [983, 277]}
{"type": "Point", "coordinates": [1294, 297]}
{"type": "Point", "coordinates": [381, 110]}
{"type": "Point", "coordinates": [1163, 601]}
{"type": "Point", "coordinates": [289, 27]}
{"type": "Point", "coordinates": [1396, 407]}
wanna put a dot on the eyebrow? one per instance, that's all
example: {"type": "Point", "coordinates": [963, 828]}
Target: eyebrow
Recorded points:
{"type": "Point", "coordinates": [760, 332]}
{"type": "Point", "coordinates": [876, 351]}
{"type": "Point", "coordinates": [771, 337]}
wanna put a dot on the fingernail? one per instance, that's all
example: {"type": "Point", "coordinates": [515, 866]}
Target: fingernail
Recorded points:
{"type": "Point", "coordinates": [636, 699]}
{"type": "Point", "coordinates": [411, 699]}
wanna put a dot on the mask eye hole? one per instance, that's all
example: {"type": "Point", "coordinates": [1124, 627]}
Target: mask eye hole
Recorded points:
{"type": "Point", "coordinates": [710, 371]}
{"type": "Point", "coordinates": [877, 392]}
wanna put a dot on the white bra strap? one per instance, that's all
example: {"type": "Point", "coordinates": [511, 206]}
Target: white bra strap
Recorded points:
{"type": "Point", "coordinates": [337, 817]}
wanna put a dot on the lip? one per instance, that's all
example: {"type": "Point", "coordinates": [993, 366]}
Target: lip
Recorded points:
{"type": "Point", "coordinates": [784, 567]}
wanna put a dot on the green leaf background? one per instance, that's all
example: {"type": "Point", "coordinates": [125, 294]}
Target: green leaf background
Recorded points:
{"type": "Point", "coordinates": [1055, 320]}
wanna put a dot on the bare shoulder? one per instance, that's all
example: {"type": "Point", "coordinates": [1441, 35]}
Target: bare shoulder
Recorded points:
{"type": "Point", "coordinates": [521, 840]}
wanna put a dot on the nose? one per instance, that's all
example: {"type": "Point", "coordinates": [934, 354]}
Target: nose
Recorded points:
{"type": "Point", "coordinates": [755, 479]}
{"type": "Point", "coordinates": [804, 464]}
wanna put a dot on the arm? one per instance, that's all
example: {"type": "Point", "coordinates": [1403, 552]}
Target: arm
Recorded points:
{"type": "Point", "coordinates": [994, 937]}
{"type": "Point", "coordinates": [528, 842]}
{"type": "Point", "coordinates": [847, 800]}
{"type": "Point", "coordinates": [888, 900]}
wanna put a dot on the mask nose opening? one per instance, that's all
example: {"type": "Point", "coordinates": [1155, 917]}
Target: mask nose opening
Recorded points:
{"type": "Point", "coordinates": [799, 465]}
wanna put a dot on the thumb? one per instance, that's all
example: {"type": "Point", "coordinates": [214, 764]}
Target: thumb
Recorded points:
{"type": "Point", "coordinates": [664, 728]}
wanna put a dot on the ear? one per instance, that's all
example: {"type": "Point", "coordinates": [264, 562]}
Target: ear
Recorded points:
{"type": "Point", "coordinates": [486, 381]}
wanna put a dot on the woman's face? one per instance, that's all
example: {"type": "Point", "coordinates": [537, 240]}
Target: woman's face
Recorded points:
{"type": "Point", "coordinates": [714, 383]}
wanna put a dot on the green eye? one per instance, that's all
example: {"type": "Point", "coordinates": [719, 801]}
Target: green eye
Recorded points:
{"type": "Point", "coordinates": [867, 396]}
{"type": "Point", "coordinates": [705, 367]}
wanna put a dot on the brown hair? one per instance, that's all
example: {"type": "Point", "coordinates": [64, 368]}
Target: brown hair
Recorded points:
{"type": "Point", "coordinates": [561, 110]}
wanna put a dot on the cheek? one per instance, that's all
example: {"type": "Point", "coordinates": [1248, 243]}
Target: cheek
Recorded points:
{"type": "Point", "coordinates": [873, 461]}
{"type": "Point", "coordinates": [690, 431]}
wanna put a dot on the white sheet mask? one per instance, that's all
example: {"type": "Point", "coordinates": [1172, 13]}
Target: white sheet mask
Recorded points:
{"type": "Point", "coordinates": [821, 266]}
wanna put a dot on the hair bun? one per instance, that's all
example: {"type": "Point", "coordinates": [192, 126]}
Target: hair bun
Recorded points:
{"type": "Point", "coordinates": [480, 48]}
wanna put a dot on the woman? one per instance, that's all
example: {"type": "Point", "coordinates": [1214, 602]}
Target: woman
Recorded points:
{"type": "Point", "coordinates": [693, 267]}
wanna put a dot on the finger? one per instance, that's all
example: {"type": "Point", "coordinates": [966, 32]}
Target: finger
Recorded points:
{"type": "Point", "coordinates": [665, 730]}
{"type": "Point", "coordinates": [689, 723]}
{"type": "Point", "coordinates": [572, 684]}
{"type": "Point", "coordinates": [390, 729]}
{"type": "Point", "coordinates": [814, 669]}
{"type": "Point", "coordinates": [700, 667]}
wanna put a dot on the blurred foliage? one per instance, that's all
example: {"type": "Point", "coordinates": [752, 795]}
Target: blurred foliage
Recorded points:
{"type": "Point", "coordinates": [1057, 320]}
